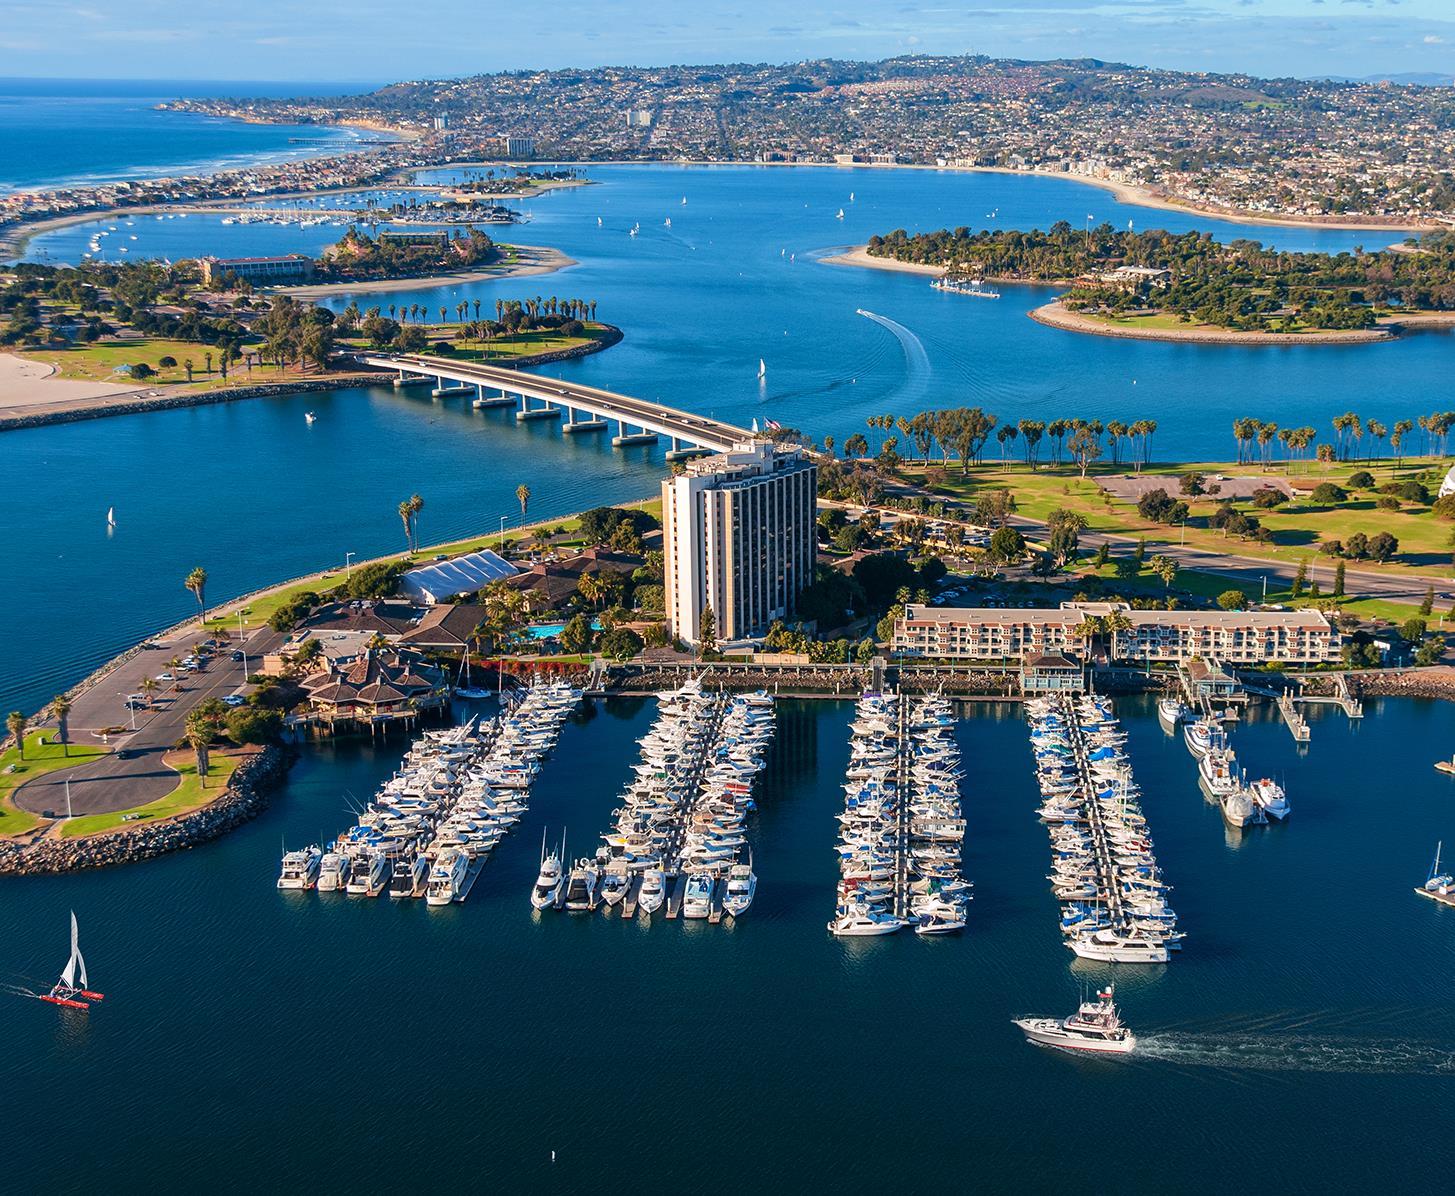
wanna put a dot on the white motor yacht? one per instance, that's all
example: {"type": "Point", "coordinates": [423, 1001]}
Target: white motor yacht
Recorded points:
{"type": "Point", "coordinates": [653, 891]}
{"type": "Point", "coordinates": [1170, 713]}
{"type": "Point", "coordinates": [860, 921]}
{"type": "Point", "coordinates": [742, 884]}
{"type": "Point", "coordinates": [1095, 1026]}
{"type": "Point", "coordinates": [581, 895]}
{"type": "Point", "coordinates": [368, 874]}
{"type": "Point", "coordinates": [300, 868]}
{"type": "Point", "coordinates": [616, 882]}
{"type": "Point", "coordinates": [1270, 798]}
{"type": "Point", "coordinates": [333, 872]}
{"type": "Point", "coordinates": [447, 877]}
{"type": "Point", "coordinates": [410, 876]}
{"type": "Point", "coordinates": [697, 900]}
{"type": "Point", "coordinates": [1110, 947]}
{"type": "Point", "coordinates": [550, 883]}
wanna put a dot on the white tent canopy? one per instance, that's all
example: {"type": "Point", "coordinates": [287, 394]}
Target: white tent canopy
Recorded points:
{"type": "Point", "coordinates": [443, 579]}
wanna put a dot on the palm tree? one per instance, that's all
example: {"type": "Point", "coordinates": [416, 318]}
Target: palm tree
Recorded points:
{"type": "Point", "coordinates": [197, 583]}
{"type": "Point", "coordinates": [149, 687]}
{"type": "Point", "coordinates": [62, 707]}
{"type": "Point", "coordinates": [416, 505]}
{"type": "Point", "coordinates": [406, 517]}
{"type": "Point", "coordinates": [15, 723]}
{"type": "Point", "coordinates": [1116, 624]}
{"type": "Point", "coordinates": [522, 496]}
{"type": "Point", "coordinates": [199, 738]}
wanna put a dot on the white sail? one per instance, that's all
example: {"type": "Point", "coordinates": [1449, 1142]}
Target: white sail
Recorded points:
{"type": "Point", "coordinates": [68, 977]}
{"type": "Point", "coordinates": [762, 368]}
{"type": "Point", "coordinates": [111, 516]}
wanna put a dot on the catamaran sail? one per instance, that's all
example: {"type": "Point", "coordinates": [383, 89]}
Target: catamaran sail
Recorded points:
{"type": "Point", "coordinates": [68, 977]}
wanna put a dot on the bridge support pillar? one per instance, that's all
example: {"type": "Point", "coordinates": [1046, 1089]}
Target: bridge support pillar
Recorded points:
{"type": "Point", "coordinates": [626, 436]}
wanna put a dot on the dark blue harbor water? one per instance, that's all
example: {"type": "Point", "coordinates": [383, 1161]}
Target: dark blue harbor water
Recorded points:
{"type": "Point", "coordinates": [255, 496]}
{"type": "Point", "coordinates": [1302, 1041]}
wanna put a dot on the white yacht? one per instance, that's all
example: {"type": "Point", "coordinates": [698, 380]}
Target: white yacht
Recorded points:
{"type": "Point", "coordinates": [860, 921]}
{"type": "Point", "coordinates": [333, 872]}
{"type": "Point", "coordinates": [447, 877]}
{"type": "Point", "coordinates": [300, 868]}
{"type": "Point", "coordinates": [653, 891]}
{"type": "Point", "coordinates": [1270, 798]}
{"type": "Point", "coordinates": [1438, 885]}
{"type": "Point", "coordinates": [1170, 713]}
{"type": "Point", "coordinates": [1110, 947]}
{"type": "Point", "coordinates": [410, 876]}
{"type": "Point", "coordinates": [367, 874]}
{"type": "Point", "coordinates": [1095, 1026]}
{"type": "Point", "coordinates": [697, 901]}
{"type": "Point", "coordinates": [550, 883]}
{"type": "Point", "coordinates": [581, 895]}
{"type": "Point", "coordinates": [616, 883]}
{"type": "Point", "coordinates": [1199, 735]}
{"type": "Point", "coordinates": [1217, 773]}
{"type": "Point", "coordinates": [742, 884]}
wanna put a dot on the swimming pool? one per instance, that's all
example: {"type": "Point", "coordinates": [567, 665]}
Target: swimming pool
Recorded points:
{"type": "Point", "coordinates": [549, 631]}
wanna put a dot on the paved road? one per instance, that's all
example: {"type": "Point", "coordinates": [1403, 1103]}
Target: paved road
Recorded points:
{"type": "Point", "coordinates": [135, 774]}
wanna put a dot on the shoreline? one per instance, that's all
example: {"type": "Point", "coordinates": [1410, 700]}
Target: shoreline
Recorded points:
{"type": "Point", "coordinates": [1053, 315]}
{"type": "Point", "coordinates": [533, 260]}
{"type": "Point", "coordinates": [859, 255]}
{"type": "Point", "coordinates": [130, 402]}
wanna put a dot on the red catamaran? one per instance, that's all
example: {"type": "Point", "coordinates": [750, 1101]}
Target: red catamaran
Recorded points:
{"type": "Point", "coordinates": [66, 990]}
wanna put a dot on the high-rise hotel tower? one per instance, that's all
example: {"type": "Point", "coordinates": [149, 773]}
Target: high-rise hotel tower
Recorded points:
{"type": "Point", "coordinates": [740, 539]}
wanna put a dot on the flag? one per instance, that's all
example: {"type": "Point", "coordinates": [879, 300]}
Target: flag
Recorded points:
{"type": "Point", "coordinates": [774, 424]}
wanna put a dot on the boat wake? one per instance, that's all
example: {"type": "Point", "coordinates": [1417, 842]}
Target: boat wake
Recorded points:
{"type": "Point", "coordinates": [1298, 1052]}
{"type": "Point", "coordinates": [916, 359]}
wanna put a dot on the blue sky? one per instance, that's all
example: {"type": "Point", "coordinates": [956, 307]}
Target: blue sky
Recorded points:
{"type": "Point", "coordinates": [377, 41]}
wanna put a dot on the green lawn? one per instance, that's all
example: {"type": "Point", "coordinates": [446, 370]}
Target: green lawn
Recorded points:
{"type": "Point", "coordinates": [189, 795]}
{"type": "Point", "coordinates": [257, 611]}
{"type": "Point", "coordinates": [99, 362]}
{"type": "Point", "coordinates": [39, 760]}
{"type": "Point", "coordinates": [1169, 322]}
{"type": "Point", "coordinates": [1298, 527]}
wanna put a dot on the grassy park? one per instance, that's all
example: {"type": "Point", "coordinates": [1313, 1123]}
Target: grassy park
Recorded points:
{"type": "Point", "coordinates": [107, 361]}
{"type": "Point", "coordinates": [40, 759]}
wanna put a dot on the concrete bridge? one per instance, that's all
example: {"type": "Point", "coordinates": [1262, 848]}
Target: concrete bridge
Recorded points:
{"type": "Point", "coordinates": [580, 408]}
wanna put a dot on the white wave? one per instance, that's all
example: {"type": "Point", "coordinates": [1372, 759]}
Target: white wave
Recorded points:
{"type": "Point", "coordinates": [1298, 1052]}
{"type": "Point", "coordinates": [916, 359]}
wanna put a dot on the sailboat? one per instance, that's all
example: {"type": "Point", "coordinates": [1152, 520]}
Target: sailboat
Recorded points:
{"type": "Point", "coordinates": [840, 216]}
{"type": "Point", "coordinates": [762, 368]}
{"type": "Point", "coordinates": [110, 516]}
{"type": "Point", "coordinates": [1439, 885]}
{"type": "Point", "coordinates": [66, 990]}
{"type": "Point", "coordinates": [310, 416]}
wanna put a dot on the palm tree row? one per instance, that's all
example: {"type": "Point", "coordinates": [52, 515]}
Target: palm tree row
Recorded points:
{"type": "Point", "coordinates": [409, 511]}
{"type": "Point", "coordinates": [554, 305]}
{"type": "Point", "coordinates": [966, 431]}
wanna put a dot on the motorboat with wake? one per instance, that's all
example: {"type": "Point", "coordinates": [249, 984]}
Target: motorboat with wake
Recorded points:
{"type": "Point", "coordinates": [1095, 1026]}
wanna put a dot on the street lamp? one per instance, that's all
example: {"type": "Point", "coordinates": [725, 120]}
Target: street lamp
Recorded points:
{"type": "Point", "coordinates": [503, 518]}
{"type": "Point", "coordinates": [242, 643]}
{"type": "Point", "coordinates": [348, 567]}
{"type": "Point", "coordinates": [129, 706]}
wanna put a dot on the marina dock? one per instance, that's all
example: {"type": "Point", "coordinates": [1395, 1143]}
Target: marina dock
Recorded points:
{"type": "Point", "coordinates": [1114, 906]}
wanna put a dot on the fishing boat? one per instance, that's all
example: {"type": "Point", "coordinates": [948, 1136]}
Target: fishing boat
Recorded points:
{"type": "Point", "coordinates": [1095, 1026]}
{"type": "Point", "coordinates": [550, 881]}
{"type": "Point", "coordinates": [71, 988]}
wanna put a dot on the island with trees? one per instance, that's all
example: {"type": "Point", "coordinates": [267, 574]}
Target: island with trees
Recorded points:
{"type": "Point", "coordinates": [1161, 285]}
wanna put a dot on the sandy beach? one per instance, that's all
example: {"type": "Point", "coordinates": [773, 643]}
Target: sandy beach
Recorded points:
{"type": "Point", "coordinates": [26, 384]}
{"type": "Point", "coordinates": [533, 259]}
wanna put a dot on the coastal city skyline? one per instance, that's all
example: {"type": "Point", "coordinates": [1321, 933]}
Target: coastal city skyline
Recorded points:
{"type": "Point", "coordinates": [880, 574]}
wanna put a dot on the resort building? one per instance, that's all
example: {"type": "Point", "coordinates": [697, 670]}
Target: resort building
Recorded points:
{"type": "Point", "coordinates": [1173, 636]}
{"type": "Point", "coordinates": [519, 147]}
{"type": "Point", "coordinates": [740, 540]}
{"type": "Point", "coordinates": [288, 267]}
{"type": "Point", "coordinates": [383, 685]}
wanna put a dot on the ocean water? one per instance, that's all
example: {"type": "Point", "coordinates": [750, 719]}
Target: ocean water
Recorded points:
{"type": "Point", "coordinates": [68, 132]}
{"type": "Point", "coordinates": [1302, 1040]}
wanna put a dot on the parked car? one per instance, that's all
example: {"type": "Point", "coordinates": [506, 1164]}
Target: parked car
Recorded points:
{"type": "Point", "coordinates": [234, 700]}
{"type": "Point", "coordinates": [165, 677]}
